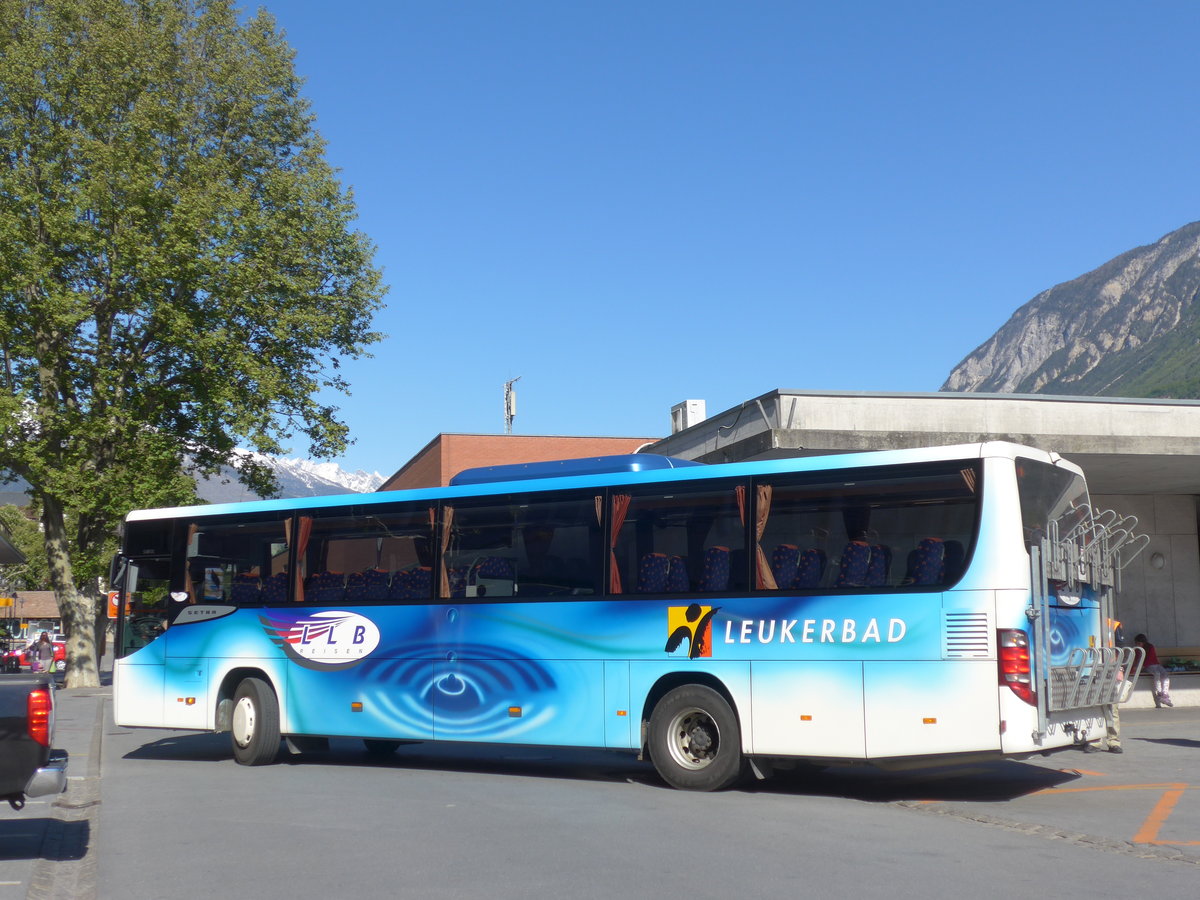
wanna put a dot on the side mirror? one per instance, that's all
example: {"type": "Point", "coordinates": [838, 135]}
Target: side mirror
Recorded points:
{"type": "Point", "coordinates": [116, 572]}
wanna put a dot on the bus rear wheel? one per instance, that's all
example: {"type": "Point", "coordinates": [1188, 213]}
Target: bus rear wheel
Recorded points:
{"type": "Point", "coordinates": [254, 728]}
{"type": "Point", "coordinates": [695, 741]}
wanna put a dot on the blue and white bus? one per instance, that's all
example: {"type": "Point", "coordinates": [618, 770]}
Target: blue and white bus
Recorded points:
{"type": "Point", "coordinates": [899, 608]}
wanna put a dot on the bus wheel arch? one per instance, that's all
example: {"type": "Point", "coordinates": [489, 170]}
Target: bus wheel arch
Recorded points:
{"type": "Point", "coordinates": [691, 729]}
{"type": "Point", "coordinates": [254, 725]}
{"type": "Point", "coordinates": [229, 685]}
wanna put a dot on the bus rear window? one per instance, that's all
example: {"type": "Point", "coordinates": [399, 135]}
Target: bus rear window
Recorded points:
{"type": "Point", "coordinates": [1050, 494]}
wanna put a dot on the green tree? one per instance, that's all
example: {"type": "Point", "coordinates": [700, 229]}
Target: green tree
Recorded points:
{"type": "Point", "coordinates": [20, 527]}
{"type": "Point", "coordinates": [179, 274]}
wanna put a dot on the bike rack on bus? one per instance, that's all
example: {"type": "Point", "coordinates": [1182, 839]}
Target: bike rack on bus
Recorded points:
{"type": "Point", "coordinates": [1092, 552]}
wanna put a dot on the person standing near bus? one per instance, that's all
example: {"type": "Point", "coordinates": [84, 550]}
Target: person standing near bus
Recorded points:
{"type": "Point", "coordinates": [43, 652]}
{"type": "Point", "coordinates": [1162, 677]}
{"type": "Point", "coordinates": [1112, 717]}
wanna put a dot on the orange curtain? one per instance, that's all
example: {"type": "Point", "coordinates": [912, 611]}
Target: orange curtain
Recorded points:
{"type": "Point", "coordinates": [191, 587]}
{"type": "Point", "coordinates": [620, 507]}
{"type": "Point", "coordinates": [764, 577]}
{"type": "Point", "coordinates": [447, 521]}
{"type": "Point", "coordinates": [302, 535]}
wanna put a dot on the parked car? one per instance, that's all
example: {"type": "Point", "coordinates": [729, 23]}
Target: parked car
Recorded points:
{"type": "Point", "coordinates": [20, 658]}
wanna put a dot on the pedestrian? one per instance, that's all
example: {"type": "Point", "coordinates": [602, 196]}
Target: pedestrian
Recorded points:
{"type": "Point", "coordinates": [1162, 676]}
{"type": "Point", "coordinates": [43, 651]}
{"type": "Point", "coordinates": [1111, 741]}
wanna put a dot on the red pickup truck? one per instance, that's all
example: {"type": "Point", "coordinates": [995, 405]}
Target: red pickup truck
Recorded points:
{"type": "Point", "coordinates": [29, 767]}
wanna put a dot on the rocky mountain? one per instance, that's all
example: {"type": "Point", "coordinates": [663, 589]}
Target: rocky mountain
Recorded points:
{"type": "Point", "coordinates": [1130, 328]}
{"type": "Point", "coordinates": [296, 478]}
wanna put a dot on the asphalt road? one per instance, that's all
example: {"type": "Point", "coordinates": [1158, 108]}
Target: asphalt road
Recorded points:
{"type": "Point", "coordinates": [163, 815]}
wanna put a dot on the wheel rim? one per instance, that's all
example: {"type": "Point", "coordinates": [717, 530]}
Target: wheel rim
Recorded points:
{"type": "Point", "coordinates": [694, 739]}
{"type": "Point", "coordinates": [243, 722]}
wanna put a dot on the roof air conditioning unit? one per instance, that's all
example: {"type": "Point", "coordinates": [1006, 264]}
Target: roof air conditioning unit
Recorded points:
{"type": "Point", "coordinates": [686, 414]}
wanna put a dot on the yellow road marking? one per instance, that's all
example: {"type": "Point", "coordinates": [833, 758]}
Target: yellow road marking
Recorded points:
{"type": "Point", "coordinates": [1158, 817]}
{"type": "Point", "coordinates": [1153, 823]}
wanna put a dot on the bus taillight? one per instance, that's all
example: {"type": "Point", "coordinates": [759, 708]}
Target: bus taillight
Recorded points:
{"type": "Point", "coordinates": [40, 708]}
{"type": "Point", "coordinates": [1016, 669]}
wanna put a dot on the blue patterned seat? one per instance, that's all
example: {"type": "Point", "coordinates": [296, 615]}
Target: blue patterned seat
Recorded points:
{"type": "Point", "coordinates": [419, 583]}
{"type": "Point", "coordinates": [879, 566]}
{"type": "Point", "coordinates": [652, 573]}
{"type": "Point", "coordinates": [810, 569]}
{"type": "Point", "coordinates": [325, 588]}
{"type": "Point", "coordinates": [246, 588]}
{"type": "Point", "coordinates": [677, 576]}
{"type": "Point", "coordinates": [716, 569]}
{"type": "Point", "coordinates": [494, 567]}
{"type": "Point", "coordinates": [785, 559]}
{"type": "Point", "coordinates": [398, 587]}
{"type": "Point", "coordinates": [856, 559]}
{"type": "Point", "coordinates": [928, 561]}
{"type": "Point", "coordinates": [375, 584]}
{"type": "Point", "coordinates": [274, 589]}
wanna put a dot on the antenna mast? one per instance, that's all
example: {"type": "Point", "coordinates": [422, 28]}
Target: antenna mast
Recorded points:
{"type": "Point", "coordinates": [510, 404]}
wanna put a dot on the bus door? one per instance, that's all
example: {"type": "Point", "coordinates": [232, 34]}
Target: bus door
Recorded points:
{"type": "Point", "coordinates": [511, 663]}
{"type": "Point", "coordinates": [511, 672]}
{"type": "Point", "coordinates": [141, 605]}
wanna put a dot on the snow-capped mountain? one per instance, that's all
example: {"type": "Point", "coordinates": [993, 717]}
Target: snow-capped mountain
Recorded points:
{"type": "Point", "coordinates": [296, 478]}
{"type": "Point", "coordinates": [318, 475]}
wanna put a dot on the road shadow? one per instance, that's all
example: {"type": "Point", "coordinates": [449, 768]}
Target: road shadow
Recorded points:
{"type": "Point", "coordinates": [1190, 743]}
{"type": "Point", "coordinates": [44, 838]}
{"type": "Point", "coordinates": [182, 748]}
{"type": "Point", "coordinates": [997, 781]}
{"type": "Point", "coordinates": [498, 759]}
{"type": "Point", "coordinates": [486, 759]}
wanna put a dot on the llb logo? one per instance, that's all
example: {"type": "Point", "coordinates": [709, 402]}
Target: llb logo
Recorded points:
{"type": "Point", "coordinates": [326, 640]}
{"type": "Point", "coordinates": [693, 624]}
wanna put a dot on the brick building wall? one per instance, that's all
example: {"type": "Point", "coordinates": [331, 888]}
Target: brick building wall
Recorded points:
{"type": "Point", "coordinates": [448, 454]}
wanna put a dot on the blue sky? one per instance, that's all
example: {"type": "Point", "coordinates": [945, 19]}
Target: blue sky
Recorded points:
{"type": "Point", "coordinates": [629, 204]}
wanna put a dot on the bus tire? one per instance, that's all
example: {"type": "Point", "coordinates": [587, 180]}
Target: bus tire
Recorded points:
{"type": "Point", "coordinates": [694, 740]}
{"type": "Point", "coordinates": [254, 724]}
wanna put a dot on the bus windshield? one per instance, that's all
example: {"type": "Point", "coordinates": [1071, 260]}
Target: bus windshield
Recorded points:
{"type": "Point", "coordinates": [147, 592]}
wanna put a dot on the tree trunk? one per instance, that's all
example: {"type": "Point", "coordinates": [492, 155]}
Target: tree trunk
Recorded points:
{"type": "Point", "coordinates": [76, 609]}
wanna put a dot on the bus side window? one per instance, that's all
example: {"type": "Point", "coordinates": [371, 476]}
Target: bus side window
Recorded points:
{"type": "Point", "coordinates": [861, 531]}
{"type": "Point", "coordinates": [241, 561]}
{"type": "Point", "coordinates": [365, 555]}
{"type": "Point", "coordinates": [690, 539]}
{"type": "Point", "coordinates": [522, 546]}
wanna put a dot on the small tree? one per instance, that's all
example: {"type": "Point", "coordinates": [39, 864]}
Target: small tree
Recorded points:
{"type": "Point", "coordinates": [178, 271]}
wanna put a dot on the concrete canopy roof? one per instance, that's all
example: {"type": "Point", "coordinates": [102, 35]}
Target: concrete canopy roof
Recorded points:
{"type": "Point", "coordinates": [1125, 446]}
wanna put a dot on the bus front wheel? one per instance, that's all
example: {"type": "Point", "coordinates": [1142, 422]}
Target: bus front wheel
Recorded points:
{"type": "Point", "coordinates": [694, 740]}
{"type": "Point", "coordinates": [254, 729]}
